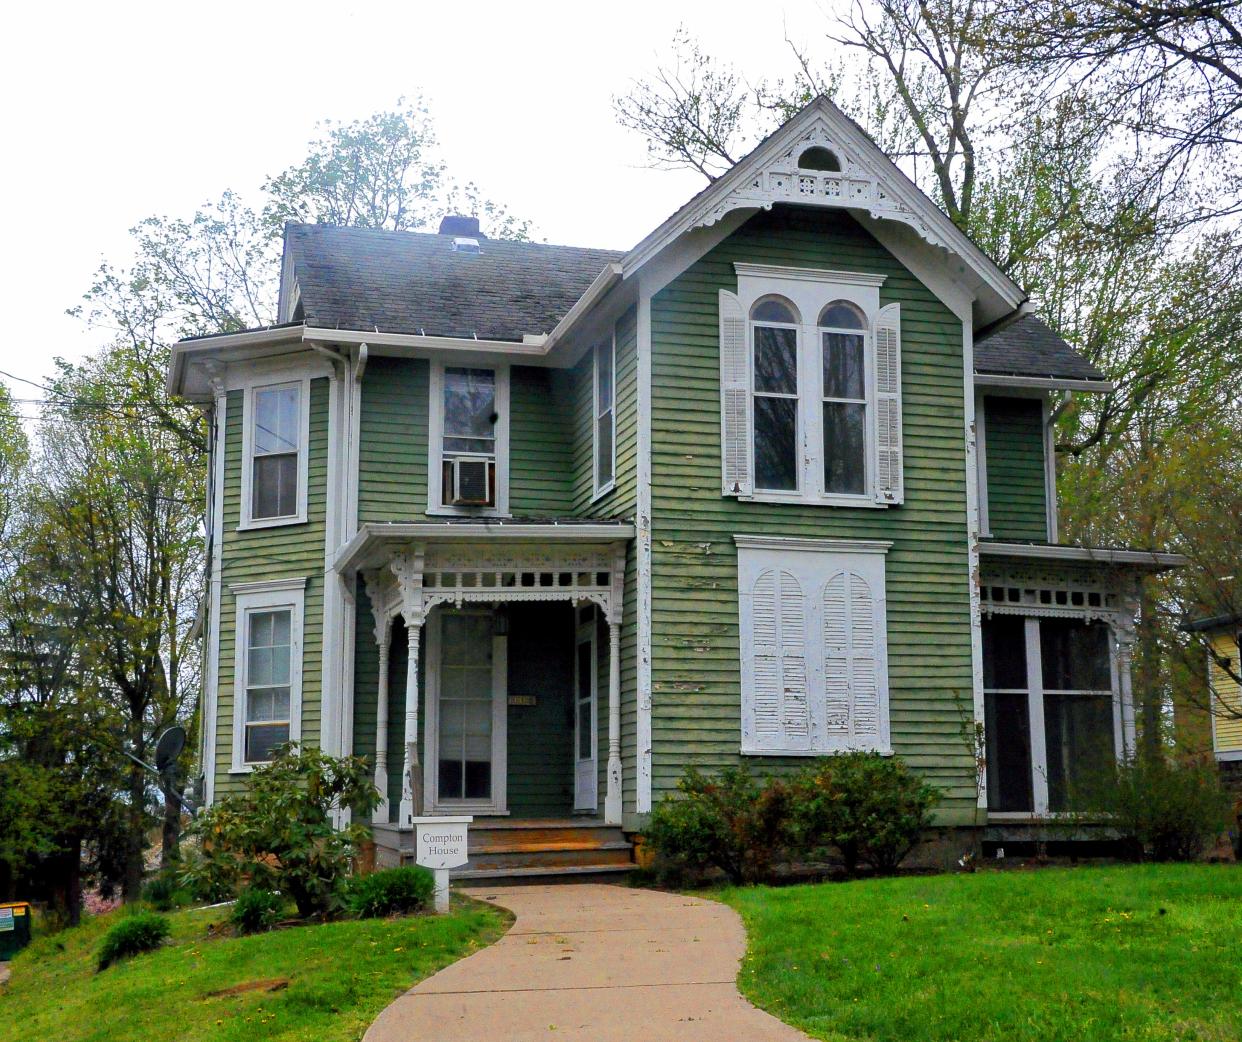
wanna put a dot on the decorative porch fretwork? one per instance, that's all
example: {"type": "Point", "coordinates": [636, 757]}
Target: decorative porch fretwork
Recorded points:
{"type": "Point", "coordinates": [425, 574]}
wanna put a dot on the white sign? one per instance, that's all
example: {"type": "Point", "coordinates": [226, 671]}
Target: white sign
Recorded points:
{"type": "Point", "coordinates": [6, 920]}
{"type": "Point", "coordinates": [441, 842]}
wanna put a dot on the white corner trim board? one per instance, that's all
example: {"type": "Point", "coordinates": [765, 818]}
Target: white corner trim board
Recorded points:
{"type": "Point", "coordinates": [642, 553]}
{"type": "Point", "coordinates": [212, 678]}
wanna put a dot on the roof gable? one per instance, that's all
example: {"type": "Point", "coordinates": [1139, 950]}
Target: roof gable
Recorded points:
{"type": "Point", "coordinates": [868, 184]}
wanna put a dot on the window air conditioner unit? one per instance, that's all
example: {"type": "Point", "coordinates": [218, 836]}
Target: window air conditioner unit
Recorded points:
{"type": "Point", "coordinates": [470, 484]}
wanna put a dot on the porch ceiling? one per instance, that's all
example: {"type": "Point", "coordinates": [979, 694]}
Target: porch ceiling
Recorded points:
{"type": "Point", "coordinates": [377, 543]}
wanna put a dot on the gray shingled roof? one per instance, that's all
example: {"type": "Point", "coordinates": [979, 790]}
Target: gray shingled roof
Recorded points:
{"type": "Point", "coordinates": [1027, 347]}
{"type": "Point", "coordinates": [413, 282]}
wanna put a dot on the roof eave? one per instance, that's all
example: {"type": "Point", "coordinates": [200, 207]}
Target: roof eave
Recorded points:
{"type": "Point", "coordinates": [1150, 560]}
{"type": "Point", "coordinates": [1050, 382]}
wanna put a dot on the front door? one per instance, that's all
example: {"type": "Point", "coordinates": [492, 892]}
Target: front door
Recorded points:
{"type": "Point", "coordinates": [466, 707]}
{"type": "Point", "coordinates": [586, 775]}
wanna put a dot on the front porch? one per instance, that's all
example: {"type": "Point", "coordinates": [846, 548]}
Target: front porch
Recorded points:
{"type": "Point", "coordinates": [491, 685]}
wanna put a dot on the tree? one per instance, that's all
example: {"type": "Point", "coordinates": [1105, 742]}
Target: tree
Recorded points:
{"type": "Point", "coordinates": [123, 495]}
{"type": "Point", "coordinates": [218, 270]}
{"type": "Point", "coordinates": [1166, 76]}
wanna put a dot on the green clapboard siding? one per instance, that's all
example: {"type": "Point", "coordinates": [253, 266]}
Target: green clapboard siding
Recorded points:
{"type": "Point", "coordinates": [282, 552]}
{"type": "Point", "coordinates": [579, 393]}
{"type": "Point", "coordinates": [696, 697]}
{"type": "Point", "coordinates": [1014, 441]}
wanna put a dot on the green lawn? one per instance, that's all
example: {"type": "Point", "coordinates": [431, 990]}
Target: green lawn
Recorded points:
{"type": "Point", "coordinates": [340, 976]}
{"type": "Point", "coordinates": [1064, 955]}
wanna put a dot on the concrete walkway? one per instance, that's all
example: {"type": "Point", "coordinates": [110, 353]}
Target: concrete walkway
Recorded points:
{"type": "Point", "coordinates": [591, 962]}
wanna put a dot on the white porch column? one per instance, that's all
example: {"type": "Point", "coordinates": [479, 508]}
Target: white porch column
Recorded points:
{"type": "Point", "coordinates": [612, 795]}
{"type": "Point", "coordinates": [612, 792]}
{"type": "Point", "coordinates": [411, 772]}
{"type": "Point", "coordinates": [1122, 627]}
{"type": "Point", "coordinates": [408, 568]}
{"type": "Point", "coordinates": [383, 634]}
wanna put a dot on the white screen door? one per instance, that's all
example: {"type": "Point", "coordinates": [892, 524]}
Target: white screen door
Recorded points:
{"type": "Point", "coordinates": [586, 786]}
{"type": "Point", "coordinates": [468, 704]}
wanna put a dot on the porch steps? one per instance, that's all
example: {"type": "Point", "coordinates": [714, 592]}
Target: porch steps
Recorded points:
{"type": "Point", "coordinates": [542, 851]}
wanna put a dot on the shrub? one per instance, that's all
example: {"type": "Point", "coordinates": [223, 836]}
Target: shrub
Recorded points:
{"type": "Point", "coordinates": [141, 932]}
{"type": "Point", "coordinates": [256, 910]}
{"type": "Point", "coordinates": [161, 892]}
{"type": "Point", "coordinates": [871, 808]}
{"type": "Point", "coordinates": [393, 891]}
{"type": "Point", "coordinates": [1170, 810]}
{"type": "Point", "coordinates": [732, 821]}
{"type": "Point", "coordinates": [278, 834]}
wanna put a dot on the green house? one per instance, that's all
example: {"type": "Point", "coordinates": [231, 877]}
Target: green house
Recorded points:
{"type": "Point", "coordinates": [535, 527]}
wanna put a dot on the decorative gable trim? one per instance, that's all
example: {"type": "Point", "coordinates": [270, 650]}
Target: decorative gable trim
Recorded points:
{"type": "Point", "coordinates": [860, 184]}
{"type": "Point", "coordinates": [868, 183]}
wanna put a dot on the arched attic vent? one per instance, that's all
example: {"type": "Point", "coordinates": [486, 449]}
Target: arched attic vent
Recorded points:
{"type": "Point", "coordinates": [819, 158]}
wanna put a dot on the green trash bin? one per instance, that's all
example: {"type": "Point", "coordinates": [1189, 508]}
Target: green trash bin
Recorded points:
{"type": "Point", "coordinates": [14, 929]}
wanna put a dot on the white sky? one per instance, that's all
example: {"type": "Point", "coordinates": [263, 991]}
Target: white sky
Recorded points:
{"type": "Point", "coordinates": [113, 112]}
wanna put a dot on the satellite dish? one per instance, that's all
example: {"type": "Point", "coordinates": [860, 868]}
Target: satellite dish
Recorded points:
{"type": "Point", "coordinates": [169, 748]}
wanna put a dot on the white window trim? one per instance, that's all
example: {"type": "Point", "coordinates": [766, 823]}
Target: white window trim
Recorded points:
{"type": "Point", "coordinates": [303, 383]}
{"type": "Point", "coordinates": [263, 596]}
{"type": "Point", "coordinates": [810, 290]}
{"type": "Point", "coordinates": [435, 439]}
{"type": "Point", "coordinates": [599, 491]}
{"type": "Point", "coordinates": [586, 632]}
{"type": "Point", "coordinates": [863, 555]}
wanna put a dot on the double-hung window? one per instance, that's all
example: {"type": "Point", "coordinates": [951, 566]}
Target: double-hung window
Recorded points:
{"type": "Point", "coordinates": [774, 369]}
{"type": "Point", "coordinates": [810, 368]}
{"type": "Point", "coordinates": [468, 440]}
{"type": "Point", "coordinates": [843, 351]}
{"type": "Point", "coordinates": [267, 669]}
{"type": "Point", "coordinates": [275, 450]}
{"type": "Point", "coordinates": [1051, 717]}
{"type": "Point", "coordinates": [605, 415]}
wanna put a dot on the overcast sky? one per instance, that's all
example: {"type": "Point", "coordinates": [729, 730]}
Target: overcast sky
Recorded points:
{"type": "Point", "coordinates": [113, 112]}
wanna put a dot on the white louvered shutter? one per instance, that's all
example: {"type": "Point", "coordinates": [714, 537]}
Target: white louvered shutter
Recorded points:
{"type": "Point", "coordinates": [734, 398]}
{"type": "Point", "coordinates": [889, 464]}
{"type": "Point", "coordinates": [779, 708]}
{"type": "Point", "coordinates": [852, 674]}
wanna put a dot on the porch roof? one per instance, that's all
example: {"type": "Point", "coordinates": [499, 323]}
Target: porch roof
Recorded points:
{"type": "Point", "coordinates": [377, 542]}
{"type": "Point", "coordinates": [1147, 560]}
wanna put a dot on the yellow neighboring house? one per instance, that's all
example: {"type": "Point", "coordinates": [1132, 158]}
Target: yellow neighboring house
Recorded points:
{"type": "Point", "coordinates": [1224, 636]}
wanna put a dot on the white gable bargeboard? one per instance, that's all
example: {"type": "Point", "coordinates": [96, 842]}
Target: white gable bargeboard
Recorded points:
{"type": "Point", "coordinates": [813, 638]}
{"type": "Point", "coordinates": [862, 183]}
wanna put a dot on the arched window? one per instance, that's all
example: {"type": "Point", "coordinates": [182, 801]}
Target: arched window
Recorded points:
{"type": "Point", "coordinates": [819, 158]}
{"type": "Point", "coordinates": [843, 350]}
{"type": "Point", "coordinates": [774, 355]}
